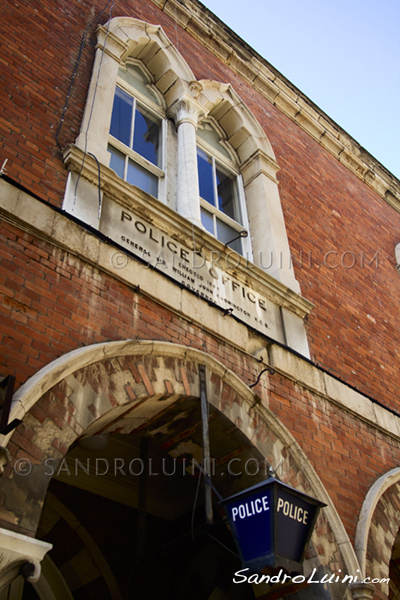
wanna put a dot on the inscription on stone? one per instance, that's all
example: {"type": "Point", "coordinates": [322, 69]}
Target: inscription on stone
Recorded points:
{"type": "Point", "coordinates": [205, 278]}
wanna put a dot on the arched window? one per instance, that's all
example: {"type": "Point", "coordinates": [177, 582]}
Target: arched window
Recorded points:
{"type": "Point", "coordinates": [137, 132]}
{"type": "Point", "coordinates": [221, 195]}
{"type": "Point", "coordinates": [143, 77]}
{"type": "Point", "coordinates": [203, 168]}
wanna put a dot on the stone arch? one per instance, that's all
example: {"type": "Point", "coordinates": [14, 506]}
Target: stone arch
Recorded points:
{"type": "Point", "coordinates": [258, 168]}
{"type": "Point", "coordinates": [51, 585]}
{"type": "Point", "coordinates": [149, 44]}
{"type": "Point", "coordinates": [377, 528]}
{"type": "Point", "coordinates": [118, 40]}
{"type": "Point", "coordinates": [117, 386]}
{"type": "Point", "coordinates": [126, 37]}
{"type": "Point", "coordinates": [397, 256]}
{"type": "Point", "coordinates": [242, 129]}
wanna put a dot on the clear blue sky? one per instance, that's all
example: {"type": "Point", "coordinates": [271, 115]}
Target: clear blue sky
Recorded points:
{"type": "Point", "coordinates": [343, 54]}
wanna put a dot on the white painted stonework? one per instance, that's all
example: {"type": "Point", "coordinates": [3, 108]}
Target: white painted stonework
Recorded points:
{"type": "Point", "coordinates": [191, 269]}
{"type": "Point", "coordinates": [143, 214]}
{"type": "Point", "coordinates": [16, 550]}
{"type": "Point", "coordinates": [187, 102]}
{"type": "Point", "coordinates": [186, 113]}
{"type": "Point", "coordinates": [266, 298]}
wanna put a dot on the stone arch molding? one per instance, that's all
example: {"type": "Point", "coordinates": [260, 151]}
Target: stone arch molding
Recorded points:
{"type": "Point", "coordinates": [84, 391]}
{"type": "Point", "coordinates": [378, 526]}
{"type": "Point", "coordinates": [124, 38]}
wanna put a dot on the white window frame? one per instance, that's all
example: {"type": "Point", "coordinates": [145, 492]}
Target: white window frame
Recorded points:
{"type": "Point", "coordinates": [186, 102]}
{"type": "Point", "coordinates": [157, 113]}
{"type": "Point", "coordinates": [125, 39]}
{"type": "Point", "coordinates": [229, 166]}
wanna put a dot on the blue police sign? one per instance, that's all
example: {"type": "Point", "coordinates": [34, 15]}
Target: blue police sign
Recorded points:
{"type": "Point", "coordinates": [272, 524]}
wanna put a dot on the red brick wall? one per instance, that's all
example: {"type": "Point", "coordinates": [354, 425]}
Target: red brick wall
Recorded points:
{"type": "Point", "coordinates": [52, 303]}
{"type": "Point", "coordinates": [347, 453]}
{"type": "Point", "coordinates": [353, 329]}
{"type": "Point", "coordinates": [342, 236]}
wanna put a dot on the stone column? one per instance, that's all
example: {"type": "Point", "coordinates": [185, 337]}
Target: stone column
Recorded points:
{"type": "Point", "coordinates": [267, 224]}
{"type": "Point", "coordinates": [362, 591]}
{"type": "Point", "coordinates": [20, 555]}
{"type": "Point", "coordinates": [187, 112]}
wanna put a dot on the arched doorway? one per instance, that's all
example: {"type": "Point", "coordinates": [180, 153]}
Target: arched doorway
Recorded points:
{"type": "Point", "coordinates": [133, 391]}
{"type": "Point", "coordinates": [378, 538]}
{"type": "Point", "coordinates": [126, 517]}
{"type": "Point", "coordinates": [121, 532]}
{"type": "Point", "coordinates": [394, 570]}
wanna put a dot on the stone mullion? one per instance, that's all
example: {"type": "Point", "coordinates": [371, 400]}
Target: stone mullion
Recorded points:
{"type": "Point", "coordinates": [187, 112]}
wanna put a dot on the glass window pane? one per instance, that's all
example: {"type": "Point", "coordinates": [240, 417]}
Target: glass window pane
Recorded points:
{"type": "Point", "coordinates": [134, 76]}
{"type": "Point", "coordinates": [146, 137]}
{"type": "Point", "coordinates": [208, 134]}
{"type": "Point", "coordinates": [227, 195]}
{"type": "Point", "coordinates": [226, 233]}
{"type": "Point", "coordinates": [117, 161]}
{"type": "Point", "coordinates": [121, 118]}
{"type": "Point", "coordinates": [207, 221]}
{"type": "Point", "coordinates": [142, 178]}
{"type": "Point", "coordinates": [206, 185]}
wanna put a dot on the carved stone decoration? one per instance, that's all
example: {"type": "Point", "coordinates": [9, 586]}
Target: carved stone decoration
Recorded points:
{"type": "Point", "coordinates": [20, 555]}
{"type": "Point", "coordinates": [362, 591]}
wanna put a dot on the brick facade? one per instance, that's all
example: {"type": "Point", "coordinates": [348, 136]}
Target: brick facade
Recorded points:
{"type": "Point", "coordinates": [350, 246]}
{"type": "Point", "coordinates": [56, 300]}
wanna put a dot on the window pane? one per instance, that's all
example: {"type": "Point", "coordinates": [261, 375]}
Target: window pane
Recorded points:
{"type": "Point", "coordinates": [146, 137]}
{"type": "Point", "coordinates": [227, 195]}
{"type": "Point", "coordinates": [117, 161]}
{"type": "Point", "coordinates": [134, 76]}
{"type": "Point", "coordinates": [142, 178]}
{"type": "Point", "coordinates": [206, 184]}
{"type": "Point", "coordinates": [226, 233]}
{"type": "Point", "coordinates": [121, 118]}
{"type": "Point", "coordinates": [207, 133]}
{"type": "Point", "coordinates": [207, 221]}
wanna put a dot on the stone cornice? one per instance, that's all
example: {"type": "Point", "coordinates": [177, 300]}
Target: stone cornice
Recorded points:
{"type": "Point", "coordinates": [114, 46]}
{"type": "Point", "coordinates": [205, 27]}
